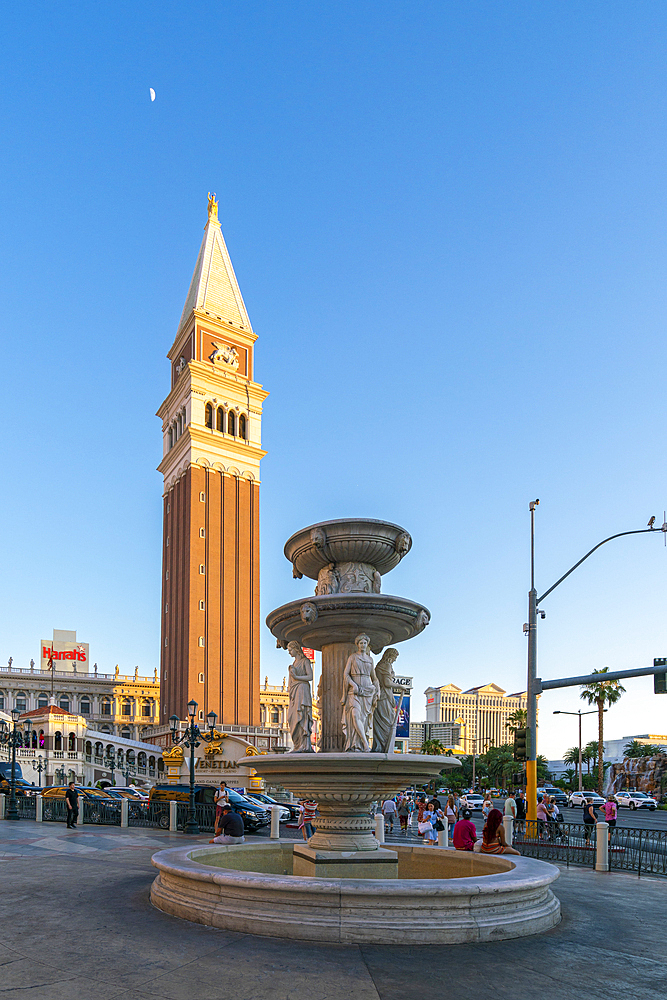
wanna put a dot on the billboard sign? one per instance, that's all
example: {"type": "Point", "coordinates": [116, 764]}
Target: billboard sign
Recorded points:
{"type": "Point", "coordinates": [403, 724]}
{"type": "Point", "coordinates": [310, 653]}
{"type": "Point", "coordinates": [67, 655]}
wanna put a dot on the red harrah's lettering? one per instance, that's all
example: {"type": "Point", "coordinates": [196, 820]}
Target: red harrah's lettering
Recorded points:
{"type": "Point", "coordinates": [69, 654]}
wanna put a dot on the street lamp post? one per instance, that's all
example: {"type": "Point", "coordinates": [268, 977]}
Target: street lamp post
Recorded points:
{"type": "Point", "coordinates": [579, 713]}
{"type": "Point", "coordinates": [39, 765]}
{"type": "Point", "coordinates": [531, 629]}
{"type": "Point", "coordinates": [14, 738]}
{"type": "Point", "coordinates": [59, 774]}
{"type": "Point", "coordinates": [109, 763]}
{"type": "Point", "coordinates": [191, 739]}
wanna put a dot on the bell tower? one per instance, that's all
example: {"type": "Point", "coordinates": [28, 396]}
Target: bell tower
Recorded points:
{"type": "Point", "coordinates": [211, 428]}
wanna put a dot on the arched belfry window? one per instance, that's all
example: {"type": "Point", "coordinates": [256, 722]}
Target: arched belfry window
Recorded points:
{"type": "Point", "coordinates": [209, 416]}
{"type": "Point", "coordinates": [242, 426]}
{"type": "Point", "coordinates": [231, 423]}
{"type": "Point", "coordinates": [171, 438]}
{"type": "Point", "coordinates": [221, 419]}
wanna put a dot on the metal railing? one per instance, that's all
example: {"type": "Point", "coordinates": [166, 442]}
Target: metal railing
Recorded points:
{"type": "Point", "coordinates": [636, 850]}
{"type": "Point", "coordinates": [564, 843]}
{"type": "Point", "coordinates": [102, 813]}
{"type": "Point", "coordinates": [155, 814]}
{"type": "Point", "coordinates": [205, 813]}
{"type": "Point", "coordinates": [54, 810]}
{"type": "Point", "coordinates": [26, 806]}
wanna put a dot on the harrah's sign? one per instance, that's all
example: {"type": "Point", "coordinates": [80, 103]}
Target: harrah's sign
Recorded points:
{"type": "Point", "coordinates": [66, 655]}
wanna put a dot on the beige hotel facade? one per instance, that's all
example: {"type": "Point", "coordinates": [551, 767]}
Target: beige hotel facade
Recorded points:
{"type": "Point", "coordinates": [485, 711]}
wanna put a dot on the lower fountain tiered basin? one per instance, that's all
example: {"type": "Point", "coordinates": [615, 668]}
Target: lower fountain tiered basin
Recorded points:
{"type": "Point", "coordinates": [440, 896]}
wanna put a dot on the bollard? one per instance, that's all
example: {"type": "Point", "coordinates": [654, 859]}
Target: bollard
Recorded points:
{"type": "Point", "coordinates": [443, 835]}
{"type": "Point", "coordinates": [173, 816]}
{"type": "Point", "coordinates": [275, 823]}
{"type": "Point", "coordinates": [82, 810]}
{"type": "Point", "coordinates": [3, 806]}
{"type": "Point", "coordinates": [124, 812]}
{"type": "Point", "coordinates": [602, 847]}
{"type": "Point", "coordinates": [379, 828]}
{"type": "Point", "coordinates": [38, 808]}
{"type": "Point", "coordinates": [508, 824]}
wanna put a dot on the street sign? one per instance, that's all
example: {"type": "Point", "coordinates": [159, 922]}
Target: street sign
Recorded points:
{"type": "Point", "coordinates": [660, 680]}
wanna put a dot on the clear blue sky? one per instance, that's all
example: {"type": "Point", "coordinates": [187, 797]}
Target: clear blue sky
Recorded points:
{"type": "Point", "coordinates": [448, 223]}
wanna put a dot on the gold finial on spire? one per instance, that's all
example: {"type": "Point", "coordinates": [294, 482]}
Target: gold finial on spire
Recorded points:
{"type": "Point", "coordinates": [212, 208]}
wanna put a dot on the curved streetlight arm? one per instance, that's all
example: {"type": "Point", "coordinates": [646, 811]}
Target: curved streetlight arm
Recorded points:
{"type": "Point", "coordinates": [641, 531]}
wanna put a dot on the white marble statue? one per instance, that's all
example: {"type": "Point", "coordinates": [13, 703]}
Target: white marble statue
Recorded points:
{"type": "Point", "coordinates": [300, 710]}
{"type": "Point", "coordinates": [385, 715]}
{"type": "Point", "coordinates": [360, 694]}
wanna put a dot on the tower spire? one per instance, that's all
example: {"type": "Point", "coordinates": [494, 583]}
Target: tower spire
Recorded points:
{"type": "Point", "coordinates": [214, 288]}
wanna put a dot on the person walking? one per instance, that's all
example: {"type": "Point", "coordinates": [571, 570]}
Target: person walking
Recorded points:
{"type": "Point", "coordinates": [487, 806]}
{"type": "Point", "coordinates": [450, 811]}
{"type": "Point", "coordinates": [427, 826]}
{"type": "Point", "coordinates": [590, 819]}
{"type": "Point", "coordinates": [221, 799]}
{"type": "Point", "coordinates": [389, 812]}
{"type": "Point", "coordinates": [230, 829]}
{"type": "Point", "coordinates": [520, 811]}
{"type": "Point", "coordinates": [308, 813]}
{"type": "Point", "coordinates": [510, 806]}
{"type": "Point", "coordinates": [421, 809]}
{"type": "Point", "coordinates": [610, 812]}
{"type": "Point", "coordinates": [72, 803]}
{"type": "Point", "coordinates": [493, 835]}
{"type": "Point", "coordinates": [542, 817]}
{"type": "Point", "coordinates": [465, 832]}
{"type": "Point", "coordinates": [403, 813]}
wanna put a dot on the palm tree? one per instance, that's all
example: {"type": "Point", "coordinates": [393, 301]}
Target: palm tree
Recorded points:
{"type": "Point", "coordinates": [433, 747]}
{"type": "Point", "coordinates": [517, 720]}
{"type": "Point", "coordinates": [601, 693]}
{"type": "Point", "coordinates": [636, 749]}
{"type": "Point", "coordinates": [571, 756]}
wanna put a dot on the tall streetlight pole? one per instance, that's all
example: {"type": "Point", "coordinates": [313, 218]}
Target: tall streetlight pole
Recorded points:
{"type": "Point", "coordinates": [531, 629]}
{"type": "Point", "coordinates": [579, 714]}
{"type": "Point", "coordinates": [191, 739]}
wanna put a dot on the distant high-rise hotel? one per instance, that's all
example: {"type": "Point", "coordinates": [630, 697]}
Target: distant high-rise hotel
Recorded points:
{"type": "Point", "coordinates": [211, 426]}
{"type": "Point", "coordinates": [485, 711]}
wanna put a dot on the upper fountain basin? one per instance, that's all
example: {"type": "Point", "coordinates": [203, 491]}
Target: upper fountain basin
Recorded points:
{"type": "Point", "coordinates": [348, 540]}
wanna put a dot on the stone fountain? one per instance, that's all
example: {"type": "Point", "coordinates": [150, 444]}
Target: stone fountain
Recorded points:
{"type": "Point", "coordinates": [348, 619]}
{"type": "Point", "coordinates": [343, 885]}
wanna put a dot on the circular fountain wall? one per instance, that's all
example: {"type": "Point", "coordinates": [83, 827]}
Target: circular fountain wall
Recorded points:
{"type": "Point", "coordinates": [460, 898]}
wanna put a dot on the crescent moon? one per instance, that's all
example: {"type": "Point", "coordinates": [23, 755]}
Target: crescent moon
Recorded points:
{"type": "Point", "coordinates": [152, 94]}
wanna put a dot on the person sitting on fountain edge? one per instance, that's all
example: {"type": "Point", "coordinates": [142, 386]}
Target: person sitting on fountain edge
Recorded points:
{"type": "Point", "coordinates": [230, 828]}
{"type": "Point", "coordinates": [465, 832]}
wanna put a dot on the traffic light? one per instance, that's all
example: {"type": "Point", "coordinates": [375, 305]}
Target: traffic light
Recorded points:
{"type": "Point", "coordinates": [518, 779]}
{"type": "Point", "coordinates": [660, 680]}
{"type": "Point", "coordinates": [521, 744]}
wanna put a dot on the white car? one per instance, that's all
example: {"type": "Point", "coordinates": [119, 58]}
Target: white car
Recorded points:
{"type": "Point", "coordinates": [578, 799]}
{"type": "Point", "coordinates": [265, 801]}
{"type": "Point", "coordinates": [635, 800]}
{"type": "Point", "coordinates": [474, 801]}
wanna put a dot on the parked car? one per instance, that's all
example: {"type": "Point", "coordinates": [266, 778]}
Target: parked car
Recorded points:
{"type": "Point", "coordinates": [22, 787]}
{"type": "Point", "coordinates": [265, 801]}
{"type": "Point", "coordinates": [254, 815]}
{"type": "Point", "coordinates": [578, 799]}
{"type": "Point", "coordinates": [635, 800]}
{"type": "Point", "coordinates": [94, 796]}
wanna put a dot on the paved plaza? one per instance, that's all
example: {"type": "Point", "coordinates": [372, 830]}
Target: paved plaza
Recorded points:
{"type": "Point", "coordinates": [77, 924]}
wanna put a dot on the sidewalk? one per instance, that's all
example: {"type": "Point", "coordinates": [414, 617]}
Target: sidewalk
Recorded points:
{"type": "Point", "coordinates": [76, 923]}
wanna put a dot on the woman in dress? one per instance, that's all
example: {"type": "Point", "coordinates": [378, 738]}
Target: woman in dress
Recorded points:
{"type": "Point", "coordinates": [300, 710]}
{"type": "Point", "coordinates": [426, 825]}
{"type": "Point", "coordinates": [493, 835]}
{"type": "Point", "coordinates": [384, 716]}
{"type": "Point", "coordinates": [360, 694]}
{"type": "Point", "coordinates": [451, 811]}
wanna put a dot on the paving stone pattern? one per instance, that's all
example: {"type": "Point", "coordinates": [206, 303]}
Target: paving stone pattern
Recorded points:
{"type": "Point", "coordinates": [76, 923]}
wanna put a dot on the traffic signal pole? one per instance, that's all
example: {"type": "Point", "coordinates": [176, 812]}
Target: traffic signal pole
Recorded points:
{"type": "Point", "coordinates": [534, 685]}
{"type": "Point", "coordinates": [531, 757]}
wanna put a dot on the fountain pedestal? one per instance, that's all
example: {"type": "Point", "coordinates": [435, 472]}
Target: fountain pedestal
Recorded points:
{"type": "Point", "coordinates": [345, 785]}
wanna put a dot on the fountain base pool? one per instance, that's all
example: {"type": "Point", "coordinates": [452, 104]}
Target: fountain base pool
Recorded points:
{"type": "Point", "coordinates": [441, 896]}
